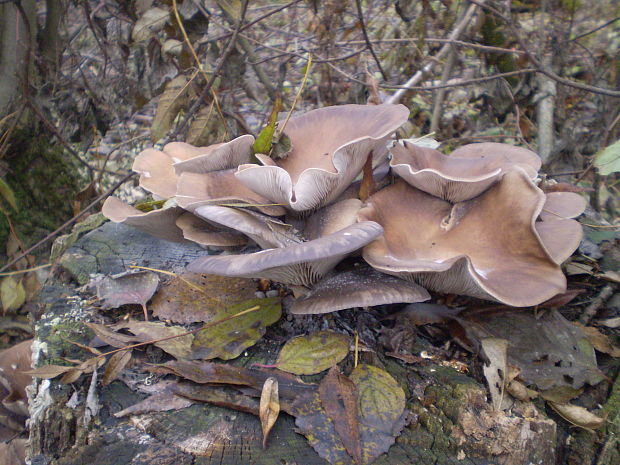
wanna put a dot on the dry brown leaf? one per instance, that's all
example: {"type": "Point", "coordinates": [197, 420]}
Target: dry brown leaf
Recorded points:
{"type": "Point", "coordinates": [338, 396]}
{"type": "Point", "coordinates": [578, 416]}
{"type": "Point", "coordinates": [269, 407]}
{"type": "Point", "coordinates": [49, 371]}
{"type": "Point", "coordinates": [71, 376]}
{"type": "Point", "coordinates": [496, 351]}
{"type": "Point", "coordinates": [111, 337]}
{"type": "Point", "coordinates": [178, 302]}
{"type": "Point", "coordinates": [178, 347]}
{"type": "Point", "coordinates": [599, 340]}
{"type": "Point", "coordinates": [115, 365]}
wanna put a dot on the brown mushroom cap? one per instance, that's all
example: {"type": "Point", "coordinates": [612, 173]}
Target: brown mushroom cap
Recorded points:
{"type": "Point", "coordinates": [13, 381]}
{"type": "Point", "coordinates": [219, 187]}
{"type": "Point", "coordinates": [466, 173]}
{"type": "Point", "coordinates": [363, 287]}
{"type": "Point", "coordinates": [197, 230]}
{"type": "Point", "coordinates": [486, 247]}
{"type": "Point", "coordinates": [158, 169]}
{"type": "Point", "coordinates": [560, 205]}
{"type": "Point", "coordinates": [159, 223]}
{"type": "Point", "coordinates": [300, 264]}
{"type": "Point", "coordinates": [329, 148]}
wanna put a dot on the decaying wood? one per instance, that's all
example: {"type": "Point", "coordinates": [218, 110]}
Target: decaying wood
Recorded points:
{"type": "Point", "coordinates": [451, 421]}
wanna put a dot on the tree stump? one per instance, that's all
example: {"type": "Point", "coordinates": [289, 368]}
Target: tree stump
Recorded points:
{"type": "Point", "coordinates": [450, 422]}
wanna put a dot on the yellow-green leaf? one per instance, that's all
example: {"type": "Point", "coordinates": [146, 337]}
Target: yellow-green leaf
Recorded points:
{"type": "Point", "coordinates": [178, 347]}
{"type": "Point", "coordinates": [308, 355]}
{"type": "Point", "coordinates": [263, 141]}
{"type": "Point", "coordinates": [230, 338]}
{"type": "Point", "coordinates": [608, 160]}
{"type": "Point", "coordinates": [12, 294]}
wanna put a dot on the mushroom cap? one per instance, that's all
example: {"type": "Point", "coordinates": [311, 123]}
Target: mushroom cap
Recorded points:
{"type": "Point", "coordinates": [158, 169]}
{"type": "Point", "coordinates": [332, 218]}
{"type": "Point", "coordinates": [466, 173]}
{"type": "Point", "coordinates": [329, 148]}
{"type": "Point", "coordinates": [13, 381]}
{"type": "Point", "coordinates": [219, 187]}
{"type": "Point", "coordinates": [560, 205]}
{"type": "Point", "coordinates": [197, 230]}
{"type": "Point", "coordinates": [266, 231]}
{"type": "Point", "coordinates": [487, 247]}
{"type": "Point", "coordinates": [159, 223]}
{"type": "Point", "coordinates": [362, 287]}
{"type": "Point", "coordinates": [300, 264]}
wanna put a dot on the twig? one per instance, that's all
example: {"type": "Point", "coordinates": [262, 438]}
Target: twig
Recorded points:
{"type": "Point", "coordinates": [418, 76]}
{"type": "Point", "coordinates": [545, 109]}
{"type": "Point", "coordinates": [360, 16]}
{"type": "Point", "coordinates": [295, 100]}
{"type": "Point", "coordinates": [596, 29]}
{"type": "Point", "coordinates": [214, 75]}
{"type": "Point", "coordinates": [27, 270]}
{"type": "Point", "coordinates": [441, 93]}
{"type": "Point", "coordinates": [597, 303]}
{"type": "Point", "coordinates": [69, 222]}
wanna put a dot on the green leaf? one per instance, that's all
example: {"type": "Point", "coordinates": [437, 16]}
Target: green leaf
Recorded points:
{"type": "Point", "coordinates": [263, 141]}
{"type": "Point", "coordinates": [308, 355]}
{"type": "Point", "coordinates": [229, 339]}
{"type": "Point", "coordinates": [12, 294]}
{"type": "Point", "coordinates": [7, 193]}
{"type": "Point", "coordinates": [608, 160]}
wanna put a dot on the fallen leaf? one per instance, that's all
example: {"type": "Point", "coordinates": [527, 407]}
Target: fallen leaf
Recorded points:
{"type": "Point", "coordinates": [548, 349]}
{"type": "Point", "coordinates": [49, 371]}
{"type": "Point", "coordinates": [171, 102]}
{"type": "Point", "coordinates": [221, 396]}
{"type": "Point", "coordinates": [144, 331]}
{"type": "Point", "coordinates": [178, 302]}
{"type": "Point", "coordinates": [111, 337]}
{"type": "Point", "coordinates": [599, 340]}
{"type": "Point", "coordinates": [308, 355]}
{"type": "Point", "coordinates": [578, 416]}
{"type": "Point", "coordinates": [382, 410]}
{"type": "Point", "coordinates": [163, 400]}
{"type": "Point", "coordinates": [132, 288]}
{"type": "Point", "coordinates": [338, 396]}
{"type": "Point", "coordinates": [115, 365]}
{"type": "Point", "coordinates": [150, 22]}
{"type": "Point", "coordinates": [608, 160]}
{"type": "Point", "coordinates": [230, 338]}
{"type": "Point", "coordinates": [71, 376]}
{"type": "Point", "coordinates": [12, 294]}
{"type": "Point", "coordinates": [269, 407]}
{"type": "Point", "coordinates": [423, 314]}
{"type": "Point", "coordinates": [495, 350]}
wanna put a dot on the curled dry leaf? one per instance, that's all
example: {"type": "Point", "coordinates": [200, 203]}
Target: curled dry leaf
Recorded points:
{"type": "Point", "coordinates": [177, 301]}
{"type": "Point", "coordinates": [338, 396]}
{"type": "Point", "coordinates": [599, 340]}
{"type": "Point", "coordinates": [115, 365]}
{"type": "Point", "coordinates": [269, 407]}
{"type": "Point", "coordinates": [228, 339]}
{"type": "Point", "coordinates": [111, 337]}
{"type": "Point", "coordinates": [150, 22]}
{"type": "Point", "coordinates": [578, 416]}
{"type": "Point", "coordinates": [308, 355]}
{"type": "Point", "coordinates": [133, 288]}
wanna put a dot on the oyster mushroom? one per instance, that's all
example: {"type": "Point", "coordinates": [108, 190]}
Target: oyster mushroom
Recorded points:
{"type": "Point", "coordinates": [300, 264]}
{"type": "Point", "coordinates": [466, 173]}
{"type": "Point", "coordinates": [160, 223]}
{"type": "Point", "coordinates": [14, 361]}
{"type": "Point", "coordinates": [487, 247]}
{"type": "Point", "coordinates": [361, 287]}
{"type": "Point", "coordinates": [158, 168]}
{"type": "Point", "coordinates": [197, 230]}
{"type": "Point", "coordinates": [329, 148]}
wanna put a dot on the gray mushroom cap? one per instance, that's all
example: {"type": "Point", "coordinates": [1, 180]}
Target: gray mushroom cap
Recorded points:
{"type": "Point", "coordinates": [300, 264]}
{"type": "Point", "coordinates": [362, 287]}
{"type": "Point", "coordinates": [197, 230]}
{"type": "Point", "coordinates": [466, 173]}
{"type": "Point", "coordinates": [329, 148]}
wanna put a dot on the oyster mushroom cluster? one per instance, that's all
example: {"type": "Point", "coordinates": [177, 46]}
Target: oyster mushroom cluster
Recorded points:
{"type": "Point", "coordinates": [472, 223]}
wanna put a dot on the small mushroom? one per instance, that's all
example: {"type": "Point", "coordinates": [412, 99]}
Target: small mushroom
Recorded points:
{"type": "Point", "coordinates": [329, 148]}
{"type": "Point", "coordinates": [361, 287]}
{"type": "Point", "coordinates": [158, 169]}
{"type": "Point", "coordinates": [466, 173]}
{"type": "Point", "coordinates": [487, 247]}
{"type": "Point", "coordinates": [301, 264]}
{"type": "Point", "coordinates": [160, 223]}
